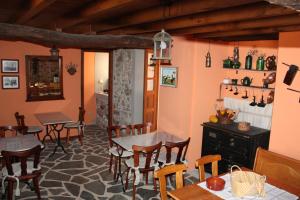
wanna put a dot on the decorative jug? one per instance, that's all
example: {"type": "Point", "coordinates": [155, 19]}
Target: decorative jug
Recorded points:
{"type": "Point", "coordinates": [246, 81]}
{"type": "Point", "coordinates": [260, 63]}
{"type": "Point", "coordinates": [248, 63]}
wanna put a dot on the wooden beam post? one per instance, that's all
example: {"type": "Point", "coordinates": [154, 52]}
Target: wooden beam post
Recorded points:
{"type": "Point", "coordinates": [66, 40]}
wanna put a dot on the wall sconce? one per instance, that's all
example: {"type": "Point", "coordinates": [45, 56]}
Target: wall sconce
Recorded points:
{"type": "Point", "coordinates": [208, 57]}
{"type": "Point", "coordinates": [54, 52]}
{"type": "Point", "coordinates": [71, 68]}
{"type": "Point", "coordinates": [162, 46]}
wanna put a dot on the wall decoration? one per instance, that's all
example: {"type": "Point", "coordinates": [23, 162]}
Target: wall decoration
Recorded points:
{"type": "Point", "coordinates": [71, 68]}
{"type": "Point", "coordinates": [9, 66]}
{"type": "Point", "coordinates": [10, 82]}
{"type": "Point", "coordinates": [168, 76]}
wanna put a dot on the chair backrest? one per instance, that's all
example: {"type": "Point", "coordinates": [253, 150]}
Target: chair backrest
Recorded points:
{"type": "Point", "coordinates": [138, 129]}
{"type": "Point", "coordinates": [182, 148]}
{"type": "Point", "coordinates": [13, 130]}
{"type": "Point", "coordinates": [22, 156]}
{"type": "Point", "coordinates": [81, 115]}
{"type": "Point", "coordinates": [20, 119]}
{"type": "Point", "coordinates": [118, 131]}
{"type": "Point", "coordinates": [150, 153]}
{"type": "Point", "coordinates": [170, 169]}
{"type": "Point", "coordinates": [279, 168]}
{"type": "Point", "coordinates": [213, 159]}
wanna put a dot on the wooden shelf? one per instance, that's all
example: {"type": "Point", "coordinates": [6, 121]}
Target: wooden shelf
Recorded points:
{"type": "Point", "coordinates": [251, 86]}
{"type": "Point", "coordinates": [255, 70]}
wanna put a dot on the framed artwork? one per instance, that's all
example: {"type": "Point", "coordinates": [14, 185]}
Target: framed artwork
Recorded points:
{"type": "Point", "coordinates": [168, 76]}
{"type": "Point", "coordinates": [9, 66]}
{"type": "Point", "coordinates": [10, 82]}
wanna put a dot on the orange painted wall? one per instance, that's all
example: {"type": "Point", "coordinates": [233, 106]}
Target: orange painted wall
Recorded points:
{"type": "Point", "coordinates": [15, 100]}
{"type": "Point", "coordinates": [182, 110]}
{"type": "Point", "coordinates": [89, 87]}
{"type": "Point", "coordinates": [285, 132]}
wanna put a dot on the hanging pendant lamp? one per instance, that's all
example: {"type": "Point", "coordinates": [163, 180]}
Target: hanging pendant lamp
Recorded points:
{"type": "Point", "coordinates": [162, 46]}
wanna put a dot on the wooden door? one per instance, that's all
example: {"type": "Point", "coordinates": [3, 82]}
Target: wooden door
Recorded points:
{"type": "Point", "coordinates": [150, 91]}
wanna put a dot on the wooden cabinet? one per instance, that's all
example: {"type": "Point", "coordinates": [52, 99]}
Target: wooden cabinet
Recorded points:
{"type": "Point", "coordinates": [236, 147]}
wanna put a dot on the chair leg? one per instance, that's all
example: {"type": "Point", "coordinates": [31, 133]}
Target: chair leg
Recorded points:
{"type": "Point", "coordinates": [10, 190]}
{"type": "Point", "coordinates": [36, 187]}
{"type": "Point", "coordinates": [134, 187]}
{"type": "Point", "coordinates": [116, 168]}
{"type": "Point", "coordinates": [80, 133]}
{"type": "Point", "coordinates": [154, 183]}
{"type": "Point", "coordinates": [127, 178]}
{"type": "Point", "coordinates": [68, 135]}
{"type": "Point", "coordinates": [146, 174]}
{"type": "Point", "coordinates": [38, 136]}
{"type": "Point", "coordinates": [110, 162]}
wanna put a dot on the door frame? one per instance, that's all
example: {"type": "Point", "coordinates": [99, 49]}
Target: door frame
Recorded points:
{"type": "Point", "coordinates": [110, 80]}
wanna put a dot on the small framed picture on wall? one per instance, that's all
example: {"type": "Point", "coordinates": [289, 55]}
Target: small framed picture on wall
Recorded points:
{"type": "Point", "coordinates": [168, 76]}
{"type": "Point", "coordinates": [9, 66]}
{"type": "Point", "coordinates": [10, 82]}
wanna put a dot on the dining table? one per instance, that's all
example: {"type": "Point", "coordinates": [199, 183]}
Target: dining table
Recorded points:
{"type": "Point", "coordinates": [125, 143]}
{"type": "Point", "coordinates": [19, 143]}
{"type": "Point", "coordinates": [195, 192]}
{"type": "Point", "coordinates": [54, 123]}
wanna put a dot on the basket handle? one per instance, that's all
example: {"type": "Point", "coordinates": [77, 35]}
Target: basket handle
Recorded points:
{"type": "Point", "coordinates": [234, 166]}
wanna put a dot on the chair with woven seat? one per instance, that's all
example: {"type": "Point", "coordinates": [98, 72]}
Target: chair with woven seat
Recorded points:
{"type": "Point", "coordinates": [213, 159]}
{"type": "Point", "coordinates": [21, 171]}
{"type": "Point", "coordinates": [115, 151]}
{"type": "Point", "coordinates": [174, 157]}
{"type": "Point", "coordinates": [79, 125]}
{"type": "Point", "coordinates": [169, 170]}
{"type": "Point", "coordinates": [36, 130]}
{"type": "Point", "coordinates": [278, 167]}
{"type": "Point", "coordinates": [145, 160]}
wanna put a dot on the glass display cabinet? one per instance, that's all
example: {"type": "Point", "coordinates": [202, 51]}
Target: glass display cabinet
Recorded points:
{"type": "Point", "coordinates": [44, 78]}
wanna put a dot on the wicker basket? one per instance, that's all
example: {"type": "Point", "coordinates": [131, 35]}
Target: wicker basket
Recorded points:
{"type": "Point", "coordinates": [245, 183]}
{"type": "Point", "coordinates": [244, 126]}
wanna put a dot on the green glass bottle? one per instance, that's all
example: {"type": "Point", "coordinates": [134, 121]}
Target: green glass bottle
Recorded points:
{"type": "Point", "coordinates": [260, 63]}
{"type": "Point", "coordinates": [248, 63]}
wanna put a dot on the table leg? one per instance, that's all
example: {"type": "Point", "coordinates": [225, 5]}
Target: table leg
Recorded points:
{"type": "Point", "coordinates": [58, 141]}
{"type": "Point", "coordinates": [120, 174]}
{"type": "Point", "coordinates": [48, 134]}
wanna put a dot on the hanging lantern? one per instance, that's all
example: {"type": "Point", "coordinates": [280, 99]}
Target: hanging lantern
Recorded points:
{"type": "Point", "coordinates": [162, 46]}
{"type": "Point", "coordinates": [208, 57]}
{"type": "Point", "coordinates": [54, 52]}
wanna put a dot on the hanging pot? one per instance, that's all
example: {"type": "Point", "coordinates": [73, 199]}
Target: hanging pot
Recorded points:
{"type": "Point", "coordinates": [270, 97]}
{"type": "Point", "coordinates": [271, 78]}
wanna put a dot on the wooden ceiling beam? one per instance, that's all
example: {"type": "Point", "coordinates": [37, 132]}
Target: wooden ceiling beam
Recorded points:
{"type": "Point", "coordinates": [102, 9]}
{"type": "Point", "coordinates": [272, 36]}
{"type": "Point", "coordinates": [255, 11]}
{"type": "Point", "coordinates": [36, 7]}
{"type": "Point", "coordinates": [249, 24]}
{"type": "Point", "coordinates": [66, 40]}
{"type": "Point", "coordinates": [258, 31]}
{"type": "Point", "coordinates": [176, 9]}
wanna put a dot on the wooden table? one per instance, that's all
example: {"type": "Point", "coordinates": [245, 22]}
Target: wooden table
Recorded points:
{"type": "Point", "coordinates": [19, 143]}
{"type": "Point", "coordinates": [55, 121]}
{"type": "Point", "coordinates": [195, 192]}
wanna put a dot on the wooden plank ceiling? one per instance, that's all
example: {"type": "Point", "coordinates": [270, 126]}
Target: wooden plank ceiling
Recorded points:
{"type": "Point", "coordinates": [226, 20]}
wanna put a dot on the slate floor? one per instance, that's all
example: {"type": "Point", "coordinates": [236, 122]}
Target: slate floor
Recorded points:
{"type": "Point", "coordinates": [83, 173]}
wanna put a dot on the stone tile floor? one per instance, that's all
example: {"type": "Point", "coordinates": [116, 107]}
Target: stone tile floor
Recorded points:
{"type": "Point", "coordinates": [83, 173]}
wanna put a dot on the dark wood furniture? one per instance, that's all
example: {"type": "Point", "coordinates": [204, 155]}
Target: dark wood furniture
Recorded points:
{"type": "Point", "coordinates": [279, 167]}
{"type": "Point", "coordinates": [13, 130]}
{"type": "Point", "coordinates": [201, 162]}
{"type": "Point", "coordinates": [236, 147]}
{"type": "Point", "coordinates": [138, 129]}
{"type": "Point", "coordinates": [169, 170]}
{"type": "Point", "coordinates": [23, 170]}
{"type": "Point", "coordinates": [31, 129]}
{"type": "Point", "coordinates": [145, 160]}
{"type": "Point", "coordinates": [79, 125]}
{"type": "Point", "coordinates": [174, 157]}
{"type": "Point", "coordinates": [44, 78]}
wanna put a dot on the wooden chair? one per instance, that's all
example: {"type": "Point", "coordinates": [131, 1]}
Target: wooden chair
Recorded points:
{"type": "Point", "coordinates": [36, 130]}
{"type": "Point", "coordinates": [168, 170]}
{"type": "Point", "coordinates": [279, 168]}
{"type": "Point", "coordinates": [145, 160]}
{"type": "Point", "coordinates": [117, 131]}
{"type": "Point", "coordinates": [138, 129]}
{"type": "Point", "coordinates": [21, 171]}
{"type": "Point", "coordinates": [213, 159]}
{"type": "Point", "coordinates": [79, 125]}
{"type": "Point", "coordinates": [171, 157]}
{"type": "Point", "coordinates": [13, 130]}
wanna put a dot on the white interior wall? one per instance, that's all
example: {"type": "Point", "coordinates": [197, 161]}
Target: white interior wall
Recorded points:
{"type": "Point", "coordinates": [138, 92]}
{"type": "Point", "coordinates": [101, 71]}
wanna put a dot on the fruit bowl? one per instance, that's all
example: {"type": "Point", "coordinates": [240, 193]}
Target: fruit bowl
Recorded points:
{"type": "Point", "coordinates": [215, 183]}
{"type": "Point", "coordinates": [226, 116]}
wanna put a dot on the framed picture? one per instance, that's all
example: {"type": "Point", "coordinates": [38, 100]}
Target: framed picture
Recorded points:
{"type": "Point", "coordinates": [9, 66]}
{"type": "Point", "coordinates": [10, 82]}
{"type": "Point", "coordinates": [168, 76]}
